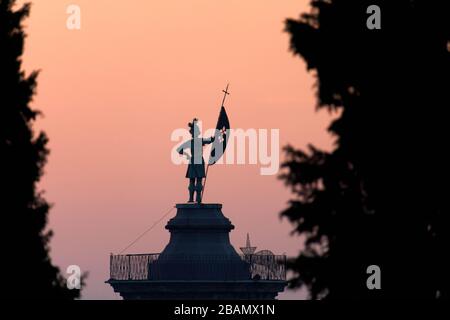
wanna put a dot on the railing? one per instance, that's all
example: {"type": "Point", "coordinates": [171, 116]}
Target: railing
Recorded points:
{"type": "Point", "coordinates": [144, 266]}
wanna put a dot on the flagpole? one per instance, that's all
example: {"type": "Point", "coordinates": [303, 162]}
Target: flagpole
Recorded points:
{"type": "Point", "coordinates": [204, 186]}
{"type": "Point", "coordinates": [225, 92]}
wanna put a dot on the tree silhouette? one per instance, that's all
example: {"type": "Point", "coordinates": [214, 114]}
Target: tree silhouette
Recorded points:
{"type": "Point", "coordinates": [28, 270]}
{"type": "Point", "coordinates": [379, 197]}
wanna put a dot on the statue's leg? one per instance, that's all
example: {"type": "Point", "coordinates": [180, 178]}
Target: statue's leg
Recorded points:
{"type": "Point", "coordinates": [198, 189]}
{"type": "Point", "coordinates": [191, 189]}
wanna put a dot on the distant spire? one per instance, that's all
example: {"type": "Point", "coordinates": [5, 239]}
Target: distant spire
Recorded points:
{"type": "Point", "coordinates": [248, 249]}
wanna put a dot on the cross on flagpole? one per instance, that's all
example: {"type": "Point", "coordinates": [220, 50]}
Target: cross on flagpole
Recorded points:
{"type": "Point", "coordinates": [225, 92]}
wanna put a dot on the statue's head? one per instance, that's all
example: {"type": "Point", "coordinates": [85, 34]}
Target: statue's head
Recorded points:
{"type": "Point", "coordinates": [194, 128]}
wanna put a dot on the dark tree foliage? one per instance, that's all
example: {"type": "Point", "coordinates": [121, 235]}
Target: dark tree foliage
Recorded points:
{"type": "Point", "coordinates": [380, 196]}
{"type": "Point", "coordinates": [28, 271]}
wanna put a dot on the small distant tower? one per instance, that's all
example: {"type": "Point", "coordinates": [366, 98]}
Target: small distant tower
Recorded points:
{"type": "Point", "coordinates": [248, 249]}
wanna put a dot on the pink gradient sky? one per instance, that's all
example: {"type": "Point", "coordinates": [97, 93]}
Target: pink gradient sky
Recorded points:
{"type": "Point", "coordinates": [112, 93]}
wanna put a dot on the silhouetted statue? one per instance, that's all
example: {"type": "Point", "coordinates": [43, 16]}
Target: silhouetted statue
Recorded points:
{"type": "Point", "coordinates": [196, 168]}
{"type": "Point", "coordinates": [27, 268]}
{"type": "Point", "coordinates": [380, 196]}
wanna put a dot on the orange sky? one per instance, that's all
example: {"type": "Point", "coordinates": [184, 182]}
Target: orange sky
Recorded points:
{"type": "Point", "coordinates": [112, 93]}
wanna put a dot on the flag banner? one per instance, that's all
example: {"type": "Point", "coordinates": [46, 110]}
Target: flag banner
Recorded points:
{"type": "Point", "coordinates": [221, 136]}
